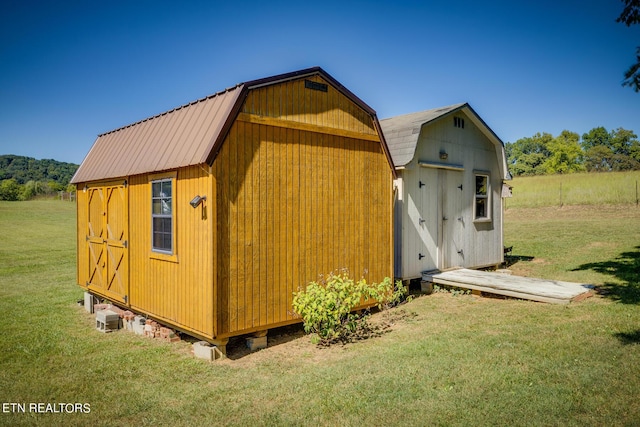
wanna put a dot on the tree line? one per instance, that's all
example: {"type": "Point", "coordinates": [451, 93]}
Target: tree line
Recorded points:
{"type": "Point", "coordinates": [23, 178]}
{"type": "Point", "coordinates": [599, 150]}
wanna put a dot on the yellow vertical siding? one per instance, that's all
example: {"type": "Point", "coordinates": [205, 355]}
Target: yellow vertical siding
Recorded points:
{"type": "Point", "coordinates": [293, 204]}
{"type": "Point", "coordinates": [177, 289]}
{"type": "Point", "coordinates": [300, 187]}
{"type": "Point", "coordinates": [291, 101]}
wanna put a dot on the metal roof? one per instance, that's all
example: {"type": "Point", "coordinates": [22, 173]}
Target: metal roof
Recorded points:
{"type": "Point", "coordinates": [188, 135]}
{"type": "Point", "coordinates": [401, 133]}
{"type": "Point", "coordinates": [177, 138]}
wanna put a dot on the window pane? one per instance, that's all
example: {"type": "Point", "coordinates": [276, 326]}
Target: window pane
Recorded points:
{"type": "Point", "coordinates": [157, 241]}
{"type": "Point", "coordinates": [166, 188]}
{"type": "Point", "coordinates": [157, 206]}
{"type": "Point", "coordinates": [481, 185]}
{"type": "Point", "coordinates": [156, 188]}
{"type": "Point", "coordinates": [166, 206]}
{"type": "Point", "coordinates": [162, 225]}
{"type": "Point", "coordinates": [481, 208]}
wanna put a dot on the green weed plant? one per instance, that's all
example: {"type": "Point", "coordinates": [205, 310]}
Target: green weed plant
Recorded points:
{"type": "Point", "coordinates": [327, 307]}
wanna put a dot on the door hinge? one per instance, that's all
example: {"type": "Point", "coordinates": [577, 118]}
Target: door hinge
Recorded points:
{"type": "Point", "coordinates": [460, 187]}
{"type": "Point", "coordinates": [420, 256]}
{"type": "Point", "coordinates": [125, 243]}
{"type": "Point", "coordinates": [421, 220]}
{"type": "Point", "coordinates": [421, 184]}
{"type": "Point", "coordinates": [460, 252]}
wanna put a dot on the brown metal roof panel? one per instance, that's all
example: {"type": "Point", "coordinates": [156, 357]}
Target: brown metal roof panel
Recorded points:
{"type": "Point", "coordinates": [167, 140]}
{"type": "Point", "coordinates": [187, 139]}
{"type": "Point", "coordinates": [220, 112]}
{"type": "Point", "coordinates": [180, 137]}
{"type": "Point", "coordinates": [92, 165]}
{"type": "Point", "coordinates": [229, 109]}
{"type": "Point", "coordinates": [190, 141]}
{"type": "Point", "coordinates": [136, 146]}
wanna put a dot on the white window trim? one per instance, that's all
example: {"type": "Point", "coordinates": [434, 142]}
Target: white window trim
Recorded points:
{"type": "Point", "coordinates": [157, 253]}
{"type": "Point", "coordinates": [487, 197]}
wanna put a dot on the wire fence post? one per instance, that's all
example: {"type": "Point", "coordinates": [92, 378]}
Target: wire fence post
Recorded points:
{"type": "Point", "coordinates": [560, 193]}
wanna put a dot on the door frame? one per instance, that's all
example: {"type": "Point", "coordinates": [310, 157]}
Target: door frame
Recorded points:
{"type": "Point", "coordinates": [451, 221]}
{"type": "Point", "coordinates": [108, 244]}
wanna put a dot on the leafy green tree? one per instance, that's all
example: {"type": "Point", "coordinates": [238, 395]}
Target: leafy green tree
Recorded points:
{"type": "Point", "coordinates": [9, 190]}
{"type": "Point", "coordinates": [28, 190]}
{"type": "Point", "coordinates": [624, 142]}
{"type": "Point", "coordinates": [611, 151]}
{"type": "Point", "coordinates": [598, 158]}
{"type": "Point", "coordinates": [626, 150]}
{"type": "Point", "coordinates": [527, 155]}
{"type": "Point", "coordinates": [631, 15]}
{"type": "Point", "coordinates": [599, 136]}
{"type": "Point", "coordinates": [598, 152]}
{"type": "Point", "coordinates": [565, 154]}
{"type": "Point", "coordinates": [24, 169]}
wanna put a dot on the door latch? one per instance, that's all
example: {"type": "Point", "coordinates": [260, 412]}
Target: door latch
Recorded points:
{"type": "Point", "coordinates": [422, 220]}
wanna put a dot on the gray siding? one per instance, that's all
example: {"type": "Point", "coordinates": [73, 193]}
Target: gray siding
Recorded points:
{"type": "Point", "coordinates": [427, 241]}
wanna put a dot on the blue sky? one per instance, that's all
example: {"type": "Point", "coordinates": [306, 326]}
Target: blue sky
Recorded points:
{"type": "Point", "coordinates": [74, 69]}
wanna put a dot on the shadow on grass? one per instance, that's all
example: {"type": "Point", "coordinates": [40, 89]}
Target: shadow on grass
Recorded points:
{"type": "Point", "coordinates": [629, 337]}
{"type": "Point", "coordinates": [625, 268]}
{"type": "Point", "coordinates": [509, 260]}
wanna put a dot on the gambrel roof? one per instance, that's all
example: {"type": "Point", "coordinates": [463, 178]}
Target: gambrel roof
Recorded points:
{"type": "Point", "coordinates": [188, 135]}
{"type": "Point", "coordinates": [401, 133]}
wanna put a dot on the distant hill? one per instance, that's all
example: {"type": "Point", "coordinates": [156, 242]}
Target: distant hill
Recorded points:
{"type": "Point", "coordinates": [25, 169]}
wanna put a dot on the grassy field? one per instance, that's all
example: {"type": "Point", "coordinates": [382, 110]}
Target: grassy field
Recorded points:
{"type": "Point", "coordinates": [617, 188]}
{"type": "Point", "coordinates": [448, 360]}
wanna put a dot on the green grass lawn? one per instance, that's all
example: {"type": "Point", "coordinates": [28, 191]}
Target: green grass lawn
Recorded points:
{"type": "Point", "coordinates": [448, 360]}
{"type": "Point", "coordinates": [615, 188]}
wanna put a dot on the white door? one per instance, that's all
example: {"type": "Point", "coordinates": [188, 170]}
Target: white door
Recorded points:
{"type": "Point", "coordinates": [426, 220]}
{"type": "Point", "coordinates": [452, 222]}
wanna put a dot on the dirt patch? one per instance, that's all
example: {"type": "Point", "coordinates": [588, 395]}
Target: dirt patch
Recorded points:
{"type": "Point", "coordinates": [290, 342]}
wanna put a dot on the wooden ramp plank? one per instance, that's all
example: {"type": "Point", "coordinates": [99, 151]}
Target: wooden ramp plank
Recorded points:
{"type": "Point", "coordinates": [543, 290]}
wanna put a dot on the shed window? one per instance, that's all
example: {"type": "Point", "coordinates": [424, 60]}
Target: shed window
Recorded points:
{"type": "Point", "coordinates": [458, 122]}
{"type": "Point", "coordinates": [481, 198]}
{"type": "Point", "coordinates": [162, 215]}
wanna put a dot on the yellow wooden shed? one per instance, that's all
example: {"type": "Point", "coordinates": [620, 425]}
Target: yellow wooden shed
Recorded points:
{"type": "Point", "coordinates": [208, 217]}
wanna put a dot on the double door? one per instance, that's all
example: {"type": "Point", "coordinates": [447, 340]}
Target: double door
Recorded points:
{"type": "Point", "coordinates": [107, 240]}
{"type": "Point", "coordinates": [442, 220]}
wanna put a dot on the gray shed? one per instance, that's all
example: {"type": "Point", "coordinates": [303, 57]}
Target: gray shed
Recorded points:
{"type": "Point", "coordinates": [451, 170]}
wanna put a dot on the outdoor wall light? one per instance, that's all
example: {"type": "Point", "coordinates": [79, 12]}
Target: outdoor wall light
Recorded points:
{"type": "Point", "coordinates": [195, 202]}
{"type": "Point", "coordinates": [443, 155]}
